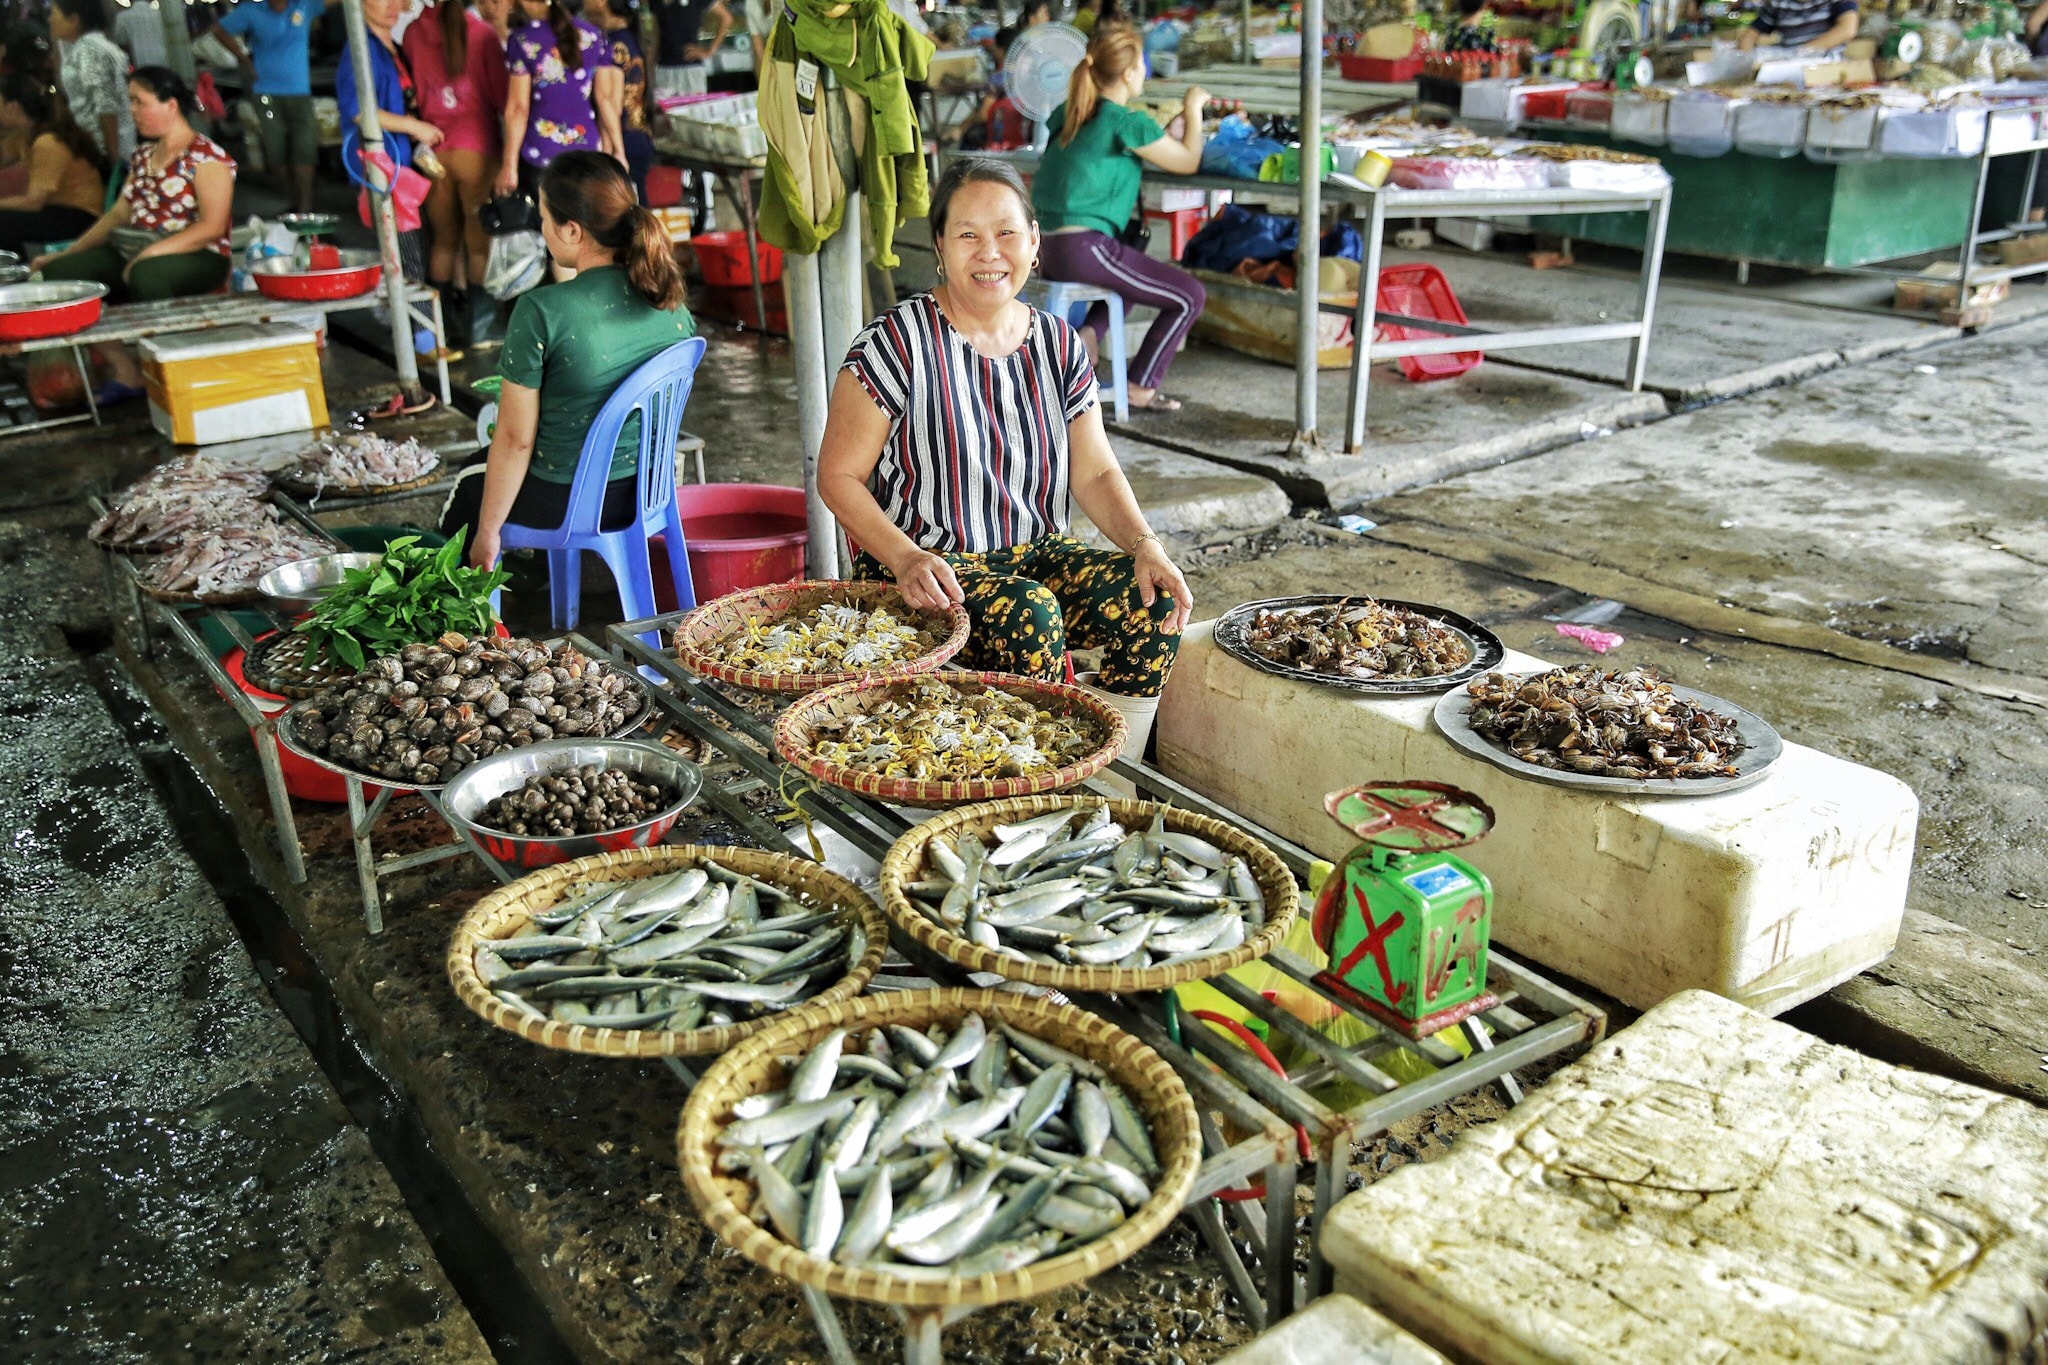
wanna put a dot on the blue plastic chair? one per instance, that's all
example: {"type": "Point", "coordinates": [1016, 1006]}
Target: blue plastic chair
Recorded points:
{"type": "Point", "coordinates": [657, 391]}
{"type": "Point", "coordinates": [1072, 301]}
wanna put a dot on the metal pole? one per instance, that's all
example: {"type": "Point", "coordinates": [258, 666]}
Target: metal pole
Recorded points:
{"type": "Point", "coordinates": [372, 131]}
{"type": "Point", "coordinates": [807, 347]}
{"type": "Point", "coordinates": [1244, 33]}
{"type": "Point", "coordinates": [1309, 255]}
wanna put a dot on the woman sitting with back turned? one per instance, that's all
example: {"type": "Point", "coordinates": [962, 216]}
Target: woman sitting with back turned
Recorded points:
{"type": "Point", "coordinates": [961, 423]}
{"type": "Point", "coordinates": [567, 348]}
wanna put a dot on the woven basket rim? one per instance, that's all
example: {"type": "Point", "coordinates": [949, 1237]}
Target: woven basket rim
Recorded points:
{"type": "Point", "coordinates": [714, 619]}
{"type": "Point", "coordinates": [496, 911]}
{"type": "Point", "coordinates": [901, 865]}
{"type": "Point", "coordinates": [792, 742]}
{"type": "Point", "coordinates": [1145, 1077]}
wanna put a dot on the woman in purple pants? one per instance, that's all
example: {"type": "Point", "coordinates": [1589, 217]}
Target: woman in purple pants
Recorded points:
{"type": "Point", "coordinates": [1087, 189]}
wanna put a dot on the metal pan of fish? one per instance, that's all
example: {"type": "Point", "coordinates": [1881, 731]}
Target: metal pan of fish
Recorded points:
{"type": "Point", "coordinates": [940, 1147]}
{"type": "Point", "coordinates": [1088, 894]}
{"type": "Point", "coordinates": [1388, 648]}
{"type": "Point", "coordinates": [1612, 723]}
{"type": "Point", "coordinates": [800, 637]}
{"type": "Point", "coordinates": [663, 952]}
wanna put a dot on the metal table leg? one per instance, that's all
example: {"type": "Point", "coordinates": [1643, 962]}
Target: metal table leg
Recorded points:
{"type": "Point", "coordinates": [85, 381]}
{"type": "Point", "coordinates": [922, 1329]}
{"type": "Point", "coordinates": [827, 1317]}
{"type": "Point", "coordinates": [1279, 1240]}
{"type": "Point", "coordinates": [288, 843]}
{"type": "Point", "coordinates": [743, 193]}
{"type": "Point", "coordinates": [1363, 326]}
{"type": "Point", "coordinates": [359, 822]}
{"type": "Point", "coordinates": [1646, 291]}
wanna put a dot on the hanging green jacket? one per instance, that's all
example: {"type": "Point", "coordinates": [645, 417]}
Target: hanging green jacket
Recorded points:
{"type": "Point", "coordinates": [872, 52]}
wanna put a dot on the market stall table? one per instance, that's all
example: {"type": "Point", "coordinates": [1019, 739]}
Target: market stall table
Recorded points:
{"type": "Point", "coordinates": [1378, 206]}
{"type": "Point", "coordinates": [739, 175]}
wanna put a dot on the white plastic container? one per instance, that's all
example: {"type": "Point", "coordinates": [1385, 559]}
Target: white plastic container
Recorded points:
{"type": "Point", "coordinates": [1770, 128]}
{"type": "Point", "coordinates": [1621, 177]}
{"type": "Point", "coordinates": [1639, 119]}
{"type": "Point", "coordinates": [1701, 124]}
{"type": "Point", "coordinates": [1933, 132]}
{"type": "Point", "coordinates": [2010, 129]}
{"type": "Point", "coordinates": [1837, 127]}
{"type": "Point", "coordinates": [1768, 895]}
{"type": "Point", "coordinates": [1487, 101]}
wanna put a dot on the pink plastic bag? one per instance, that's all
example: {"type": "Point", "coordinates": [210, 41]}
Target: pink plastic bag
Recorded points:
{"type": "Point", "coordinates": [409, 190]}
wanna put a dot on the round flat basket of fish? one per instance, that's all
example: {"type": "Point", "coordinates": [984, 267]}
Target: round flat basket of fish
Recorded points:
{"type": "Point", "coordinates": [663, 952]}
{"type": "Point", "coordinates": [800, 637]}
{"type": "Point", "coordinates": [945, 741]}
{"type": "Point", "coordinates": [1373, 645]}
{"type": "Point", "coordinates": [1088, 894]}
{"type": "Point", "coordinates": [1624, 732]}
{"type": "Point", "coordinates": [939, 1148]}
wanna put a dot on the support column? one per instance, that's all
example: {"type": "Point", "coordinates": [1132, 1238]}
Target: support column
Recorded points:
{"type": "Point", "coordinates": [1309, 256]}
{"type": "Point", "coordinates": [371, 128]}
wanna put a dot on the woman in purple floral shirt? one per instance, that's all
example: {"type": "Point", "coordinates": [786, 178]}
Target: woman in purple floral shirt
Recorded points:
{"type": "Point", "coordinates": [563, 94]}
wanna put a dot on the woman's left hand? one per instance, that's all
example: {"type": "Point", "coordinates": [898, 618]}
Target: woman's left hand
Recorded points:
{"type": "Point", "coordinates": [1156, 573]}
{"type": "Point", "coordinates": [485, 549]}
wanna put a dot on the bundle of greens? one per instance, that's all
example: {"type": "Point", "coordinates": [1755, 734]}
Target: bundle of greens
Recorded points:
{"type": "Point", "coordinates": [413, 596]}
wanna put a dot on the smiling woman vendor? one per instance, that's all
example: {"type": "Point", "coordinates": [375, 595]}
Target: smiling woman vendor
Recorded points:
{"type": "Point", "coordinates": [962, 424]}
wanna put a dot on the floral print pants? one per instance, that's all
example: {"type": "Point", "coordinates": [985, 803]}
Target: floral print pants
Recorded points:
{"type": "Point", "coordinates": [1030, 602]}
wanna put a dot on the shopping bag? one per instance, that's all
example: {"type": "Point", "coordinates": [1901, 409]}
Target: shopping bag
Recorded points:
{"type": "Point", "coordinates": [518, 261]}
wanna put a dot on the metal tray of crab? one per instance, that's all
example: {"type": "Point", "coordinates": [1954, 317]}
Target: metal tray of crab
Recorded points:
{"type": "Point", "coordinates": [1397, 649]}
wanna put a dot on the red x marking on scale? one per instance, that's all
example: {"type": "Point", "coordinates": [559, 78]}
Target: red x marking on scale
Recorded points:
{"type": "Point", "coordinates": [1375, 943]}
{"type": "Point", "coordinates": [1419, 817]}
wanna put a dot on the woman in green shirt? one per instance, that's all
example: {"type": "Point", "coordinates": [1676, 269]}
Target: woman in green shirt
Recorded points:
{"type": "Point", "coordinates": [568, 346]}
{"type": "Point", "coordinates": [1087, 189]}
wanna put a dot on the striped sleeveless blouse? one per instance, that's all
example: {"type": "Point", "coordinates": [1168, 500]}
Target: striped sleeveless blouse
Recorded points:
{"type": "Point", "coordinates": [977, 455]}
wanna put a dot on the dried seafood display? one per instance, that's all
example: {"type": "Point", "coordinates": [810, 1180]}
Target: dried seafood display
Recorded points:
{"type": "Point", "coordinates": [1358, 638]}
{"type": "Point", "coordinates": [933, 731]}
{"type": "Point", "coordinates": [1563, 152]}
{"type": "Point", "coordinates": [929, 1154]}
{"type": "Point", "coordinates": [1075, 887]}
{"type": "Point", "coordinates": [181, 499]}
{"type": "Point", "coordinates": [701, 947]}
{"type": "Point", "coordinates": [362, 461]}
{"type": "Point", "coordinates": [585, 800]}
{"type": "Point", "coordinates": [228, 562]}
{"type": "Point", "coordinates": [429, 711]}
{"type": "Point", "coordinates": [1604, 722]}
{"type": "Point", "coordinates": [837, 637]}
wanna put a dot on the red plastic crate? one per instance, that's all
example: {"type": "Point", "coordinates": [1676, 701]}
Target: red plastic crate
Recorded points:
{"type": "Point", "coordinates": [1548, 105]}
{"type": "Point", "coordinates": [664, 186]}
{"type": "Point", "coordinates": [1421, 291]}
{"type": "Point", "coordinates": [1385, 70]}
{"type": "Point", "coordinates": [722, 260]}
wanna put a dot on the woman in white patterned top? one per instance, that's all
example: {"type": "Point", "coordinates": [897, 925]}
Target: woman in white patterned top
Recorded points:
{"type": "Point", "coordinates": [93, 76]}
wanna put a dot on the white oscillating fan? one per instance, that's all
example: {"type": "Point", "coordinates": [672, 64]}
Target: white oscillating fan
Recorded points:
{"type": "Point", "coordinates": [1036, 72]}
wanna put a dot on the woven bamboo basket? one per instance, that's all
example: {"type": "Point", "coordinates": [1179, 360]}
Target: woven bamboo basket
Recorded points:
{"type": "Point", "coordinates": [299, 487]}
{"type": "Point", "coordinates": [751, 1067]}
{"type": "Point", "coordinates": [797, 731]}
{"type": "Point", "coordinates": [906, 859]}
{"type": "Point", "coordinates": [496, 915]}
{"type": "Point", "coordinates": [703, 628]}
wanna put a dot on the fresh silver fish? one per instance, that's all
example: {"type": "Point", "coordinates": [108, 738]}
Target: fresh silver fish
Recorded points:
{"type": "Point", "coordinates": [787, 1123]}
{"type": "Point", "coordinates": [963, 1046]}
{"type": "Point", "coordinates": [869, 1223]}
{"type": "Point", "coordinates": [814, 1075]}
{"type": "Point", "coordinates": [969, 1120]}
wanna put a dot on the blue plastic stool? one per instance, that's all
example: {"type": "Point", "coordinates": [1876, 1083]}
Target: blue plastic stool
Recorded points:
{"type": "Point", "coordinates": [657, 391]}
{"type": "Point", "coordinates": [1072, 301]}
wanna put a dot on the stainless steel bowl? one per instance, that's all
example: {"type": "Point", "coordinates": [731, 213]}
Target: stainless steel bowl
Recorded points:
{"type": "Point", "coordinates": [299, 585]}
{"type": "Point", "coordinates": [486, 780]}
{"type": "Point", "coordinates": [40, 294]}
{"type": "Point", "coordinates": [12, 268]}
{"type": "Point", "coordinates": [311, 224]}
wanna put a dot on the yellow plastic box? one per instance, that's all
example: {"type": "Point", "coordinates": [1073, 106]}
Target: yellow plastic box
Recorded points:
{"type": "Point", "coordinates": [232, 383]}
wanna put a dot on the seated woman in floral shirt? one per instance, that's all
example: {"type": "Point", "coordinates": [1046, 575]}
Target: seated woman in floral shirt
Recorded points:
{"type": "Point", "coordinates": [167, 235]}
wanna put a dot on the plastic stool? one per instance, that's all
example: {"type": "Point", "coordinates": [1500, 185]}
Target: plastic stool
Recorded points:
{"type": "Point", "coordinates": [658, 390]}
{"type": "Point", "coordinates": [1072, 301]}
{"type": "Point", "coordinates": [1183, 225]}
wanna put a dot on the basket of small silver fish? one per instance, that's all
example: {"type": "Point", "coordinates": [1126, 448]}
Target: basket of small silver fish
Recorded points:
{"type": "Point", "coordinates": [1088, 894]}
{"type": "Point", "coordinates": [663, 952]}
{"type": "Point", "coordinates": [947, 741]}
{"type": "Point", "coordinates": [800, 637]}
{"type": "Point", "coordinates": [939, 1148]}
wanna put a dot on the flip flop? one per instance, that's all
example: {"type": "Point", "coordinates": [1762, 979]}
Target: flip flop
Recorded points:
{"type": "Point", "coordinates": [395, 407]}
{"type": "Point", "coordinates": [1158, 402]}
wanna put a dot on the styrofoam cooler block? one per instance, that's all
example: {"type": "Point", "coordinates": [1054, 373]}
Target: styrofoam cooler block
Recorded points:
{"type": "Point", "coordinates": [1708, 1185]}
{"type": "Point", "coordinates": [1335, 1328]}
{"type": "Point", "coordinates": [1769, 894]}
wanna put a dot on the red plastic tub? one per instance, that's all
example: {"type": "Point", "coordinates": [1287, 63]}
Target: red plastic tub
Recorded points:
{"type": "Point", "coordinates": [49, 308]}
{"type": "Point", "coordinates": [306, 780]}
{"type": "Point", "coordinates": [1421, 291]}
{"type": "Point", "coordinates": [350, 273]}
{"type": "Point", "coordinates": [1546, 106]}
{"type": "Point", "coordinates": [740, 535]}
{"type": "Point", "coordinates": [1385, 70]}
{"type": "Point", "coordinates": [722, 259]}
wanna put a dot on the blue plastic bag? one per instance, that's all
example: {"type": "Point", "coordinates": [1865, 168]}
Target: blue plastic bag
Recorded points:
{"type": "Point", "coordinates": [1236, 151]}
{"type": "Point", "coordinates": [1240, 234]}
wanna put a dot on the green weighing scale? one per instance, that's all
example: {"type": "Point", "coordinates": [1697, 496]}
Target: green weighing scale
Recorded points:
{"type": "Point", "coordinates": [1404, 921]}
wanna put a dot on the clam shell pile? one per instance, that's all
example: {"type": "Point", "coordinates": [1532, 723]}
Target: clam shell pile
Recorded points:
{"type": "Point", "coordinates": [932, 731]}
{"type": "Point", "coordinates": [1606, 723]}
{"type": "Point", "coordinates": [837, 637]}
{"type": "Point", "coordinates": [929, 1154]}
{"type": "Point", "coordinates": [585, 800]}
{"type": "Point", "coordinates": [426, 713]}
{"type": "Point", "coordinates": [1358, 638]}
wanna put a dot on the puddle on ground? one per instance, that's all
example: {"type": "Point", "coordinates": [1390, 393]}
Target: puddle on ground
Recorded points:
{"type": "Point", "coordinates": [1828, 454]}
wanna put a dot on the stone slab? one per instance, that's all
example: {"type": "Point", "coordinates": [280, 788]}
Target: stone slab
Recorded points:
{"type": "Point", "coordinates": [1335, 1328]}
{"type": "Point", "coordinates": [1769, 894]}
{"type": "Point", "coordinates": [1707, 1185]}
{"type": "Point", "coordinates": [1190, 499]}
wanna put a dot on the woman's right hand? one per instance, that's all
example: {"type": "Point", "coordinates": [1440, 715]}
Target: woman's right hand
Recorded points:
{"type": "Point", "coordinates": [1195, 101]}
{"type": "Point", "coordinates": [927, 581]}
{"type": "Point", "coordinates": [508, 180]}
{"type": "Point", "coordinates": [426, 134]}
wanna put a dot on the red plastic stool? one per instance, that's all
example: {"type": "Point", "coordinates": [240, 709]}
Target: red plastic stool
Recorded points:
{"type": "Point", "coordinates": [1184, 224]}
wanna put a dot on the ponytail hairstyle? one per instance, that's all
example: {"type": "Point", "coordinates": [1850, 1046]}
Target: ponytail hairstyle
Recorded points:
{"type": "Point", "coordinates": [454, 19]}
{"type": "Point", "coordinates": [592, 191]}
{"type": "Point", "coordinates": [568, 44]}
{"type": "Point", "coordinates": [1114, 50]}
{"type": "Point", "coordinates": [46, 115]}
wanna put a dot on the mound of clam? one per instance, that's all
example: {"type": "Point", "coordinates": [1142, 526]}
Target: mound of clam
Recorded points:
{"type": "Point", "coordinates": [426, 713]}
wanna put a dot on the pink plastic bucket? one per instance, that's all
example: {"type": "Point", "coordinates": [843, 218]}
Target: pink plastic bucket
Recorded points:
{"type": "Point", "coordinates": [740, 535]}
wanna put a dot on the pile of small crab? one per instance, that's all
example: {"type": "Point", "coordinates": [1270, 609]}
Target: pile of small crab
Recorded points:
{"type": "Point", "coordinates": [1359, 638]}
{"type": "Point", "coordinates": [1607, 723]}
{"type": "Point", "coordinates": [941, 731]}
{"type": "Point", "coordinates": [837, 637]}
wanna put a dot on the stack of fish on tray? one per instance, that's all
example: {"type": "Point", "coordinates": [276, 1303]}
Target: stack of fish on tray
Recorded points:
{"type": "Point", "coordinates": [210, 523]}
{"type": "Point", "coordinates": [697, 948]}
{"type": "Point", "coordinates": [927, 1154]}
{"type": "Point", "coordinates": [1076, 888]}
{"type": "Point", "coordinates": [363, 461]}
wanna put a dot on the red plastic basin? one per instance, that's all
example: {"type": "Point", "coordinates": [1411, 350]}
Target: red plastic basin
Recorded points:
{"type": "Point", "coordinates": [306, 780]}
{"type": "Point", "coordinates": [722, 259]}
{"type": "Point", "coordinates": [1421, 291]}
{"type": "Point", "coordinates": [740, 535]}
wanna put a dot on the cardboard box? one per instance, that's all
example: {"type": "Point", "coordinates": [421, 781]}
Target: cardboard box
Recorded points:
{"type": "Point", "coordinates": [2024, 250]}
{"type": "Point", "coordinates": [1935, 290]}
{"type": "Point", "coordinates": [234, 383]}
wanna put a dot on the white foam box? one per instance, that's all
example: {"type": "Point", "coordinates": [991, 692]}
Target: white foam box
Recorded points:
{"type": "Point", "coordinates": [1335, 1328]}
{"type": "Point", "coordinates": [1837, 127]}
{"type": "Point", "coordinates": [1708, 1185]}
{"type": "Point", "coordinates": [1769, 894]}
{"type": "Point", "coordinates": [1639, 119]}
{"type": "Point", "coordinates": [233, 383]}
